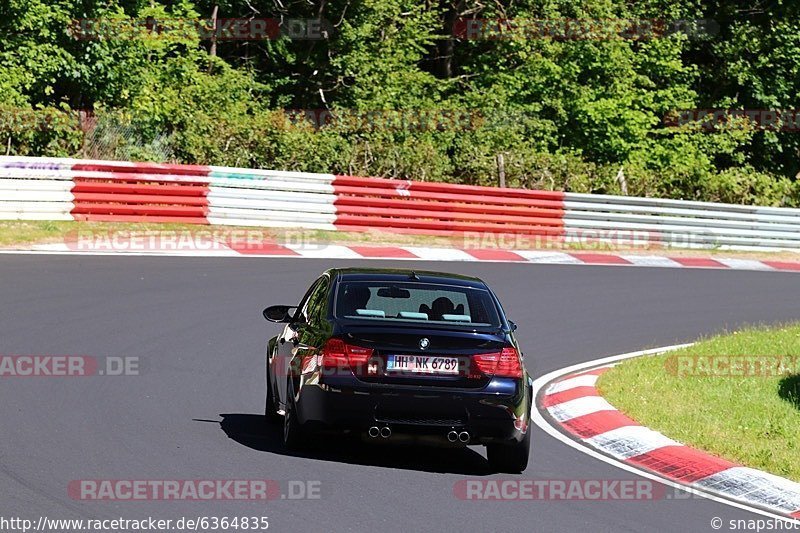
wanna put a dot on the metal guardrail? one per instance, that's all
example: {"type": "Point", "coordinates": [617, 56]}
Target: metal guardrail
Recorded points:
{"type": "Point", "coordinates": [69, 189]}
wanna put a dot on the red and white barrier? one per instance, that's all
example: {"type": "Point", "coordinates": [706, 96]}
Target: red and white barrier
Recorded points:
{"type": "Point", "coordinates": [103, 190]}
{"type": "Point", "coordinates": [64, 189]}
{"type": "Point", "coordinates": [442, 208]}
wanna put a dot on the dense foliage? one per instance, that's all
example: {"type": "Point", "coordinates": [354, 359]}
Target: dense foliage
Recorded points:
{"type": "Point", "coordinates": [414, 95]}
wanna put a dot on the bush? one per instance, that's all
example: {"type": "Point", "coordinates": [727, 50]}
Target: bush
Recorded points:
{"type": "Point", "coordinates": [43, 131]}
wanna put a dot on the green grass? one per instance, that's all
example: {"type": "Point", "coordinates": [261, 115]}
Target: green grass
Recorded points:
{"type": "Point", "coordinates": [753, 420]}
{"type": "Point", "coordinates": [22, 234]}
{"type": "Point", "coordinates": [19, 233]}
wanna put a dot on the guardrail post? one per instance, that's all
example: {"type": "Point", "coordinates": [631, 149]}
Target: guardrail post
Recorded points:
{"type": "Point", "coordinates": [501, 169]}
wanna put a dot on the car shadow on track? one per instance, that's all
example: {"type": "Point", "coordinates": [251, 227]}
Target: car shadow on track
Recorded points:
{"type": "Point", "coordinates": [789, 390]}
{"type": "Point", "coordinates": [256, 433]}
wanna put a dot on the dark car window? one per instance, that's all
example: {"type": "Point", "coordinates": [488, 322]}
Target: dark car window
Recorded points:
{"type": "Point", "coordinates": [317, 303]}
{"type": "Point", "coordinates": [416, 302]}
{"type": "Point", "coordinates": [302, 307]}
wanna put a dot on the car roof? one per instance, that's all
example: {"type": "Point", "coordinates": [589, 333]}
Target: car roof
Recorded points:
{"type": "Point", "coordinates": [404, 274]}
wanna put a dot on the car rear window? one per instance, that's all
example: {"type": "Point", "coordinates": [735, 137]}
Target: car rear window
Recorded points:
{"type": "Point", "coordinates": [416, 302]}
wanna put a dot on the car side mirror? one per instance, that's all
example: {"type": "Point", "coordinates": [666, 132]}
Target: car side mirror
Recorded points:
{"type": "Point", "coordinates": [278, 313]}
{"type": "Point", "coordinates": [512, 325]}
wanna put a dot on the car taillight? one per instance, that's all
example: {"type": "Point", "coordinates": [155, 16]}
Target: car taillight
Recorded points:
{"type": "Point", "coordinates": [503, 364]}
{"type": "Point", "coordinates": [338, 354]}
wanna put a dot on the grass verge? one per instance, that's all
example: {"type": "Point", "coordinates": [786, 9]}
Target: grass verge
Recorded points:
{"type": "Point", "coordinates": [22, 234]}
{"type": "Point", "coordinates": [18, 234]}
{"type": "Point", "coordinates": [735, 395]}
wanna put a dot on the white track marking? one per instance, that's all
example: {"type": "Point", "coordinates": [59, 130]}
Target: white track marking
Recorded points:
{"type": "Point", "coordinates": [439, 254]}
{"type": "Point", "coordinates": [329, 251]}
{"type": "Point", "coordinates": [743, 264]}
{"type": "Point", "coordinates": [557, 258]}
{"type": "Point", "coordinates": [629, 441]}
{"type": "Point", "coordinates": [578, 381]}
{"type": "Point", "coordinates": [585, 405]}
{"type": "Point", "coordinates": [754, 486]}
{"type": "Point", "coordinates": [651, 261]}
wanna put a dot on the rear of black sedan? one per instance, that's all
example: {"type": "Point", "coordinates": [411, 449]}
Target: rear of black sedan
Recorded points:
{"type": "Point", "coordinates": [399, 355]}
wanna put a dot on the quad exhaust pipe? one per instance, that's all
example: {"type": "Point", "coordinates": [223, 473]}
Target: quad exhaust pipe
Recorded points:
{"type": "Point", "coordinates": [376, 432]}
{"type": "Point", "coordinates": [386, 432]}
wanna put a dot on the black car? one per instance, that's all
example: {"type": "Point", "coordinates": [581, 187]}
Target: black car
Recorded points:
{"type": "Point", "coordinates": [401, 355]}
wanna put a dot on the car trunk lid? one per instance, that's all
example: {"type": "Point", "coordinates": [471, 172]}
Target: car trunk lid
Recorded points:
{"type": "Point", "coordinates": [412, 356]}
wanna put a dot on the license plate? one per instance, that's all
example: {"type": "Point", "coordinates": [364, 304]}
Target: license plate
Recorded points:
{"type": "Point", "coordinates": [422, 364]}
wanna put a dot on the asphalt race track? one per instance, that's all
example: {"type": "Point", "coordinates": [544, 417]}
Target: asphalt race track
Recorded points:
{"type": "Point", "coordinates": [195, 411]}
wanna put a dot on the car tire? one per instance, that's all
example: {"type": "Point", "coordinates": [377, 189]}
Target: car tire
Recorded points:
{"type": "Point", "coordinates": [270, 405]}
{"type": "Point", "coordinates": [510, 458]}
{"type": "Point", "coordinates": [292, 429]}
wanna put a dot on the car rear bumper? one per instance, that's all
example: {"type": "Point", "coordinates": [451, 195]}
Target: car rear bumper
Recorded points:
{"type": "Point", "coordinates": [495, 413]}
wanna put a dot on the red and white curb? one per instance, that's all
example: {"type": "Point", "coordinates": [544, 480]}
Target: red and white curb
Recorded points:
{"type": "Point", "coordinates": [574, 407]}
{"type": "Point", "coordinates": [420, 253]}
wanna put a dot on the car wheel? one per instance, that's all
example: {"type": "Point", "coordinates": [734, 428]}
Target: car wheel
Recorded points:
{"type": "Point", "coordinates": [292, 430]}
{"type": "Point", "coordinates": [270, 405]}
{"type": "Point", "coordinates": [510, 458]}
